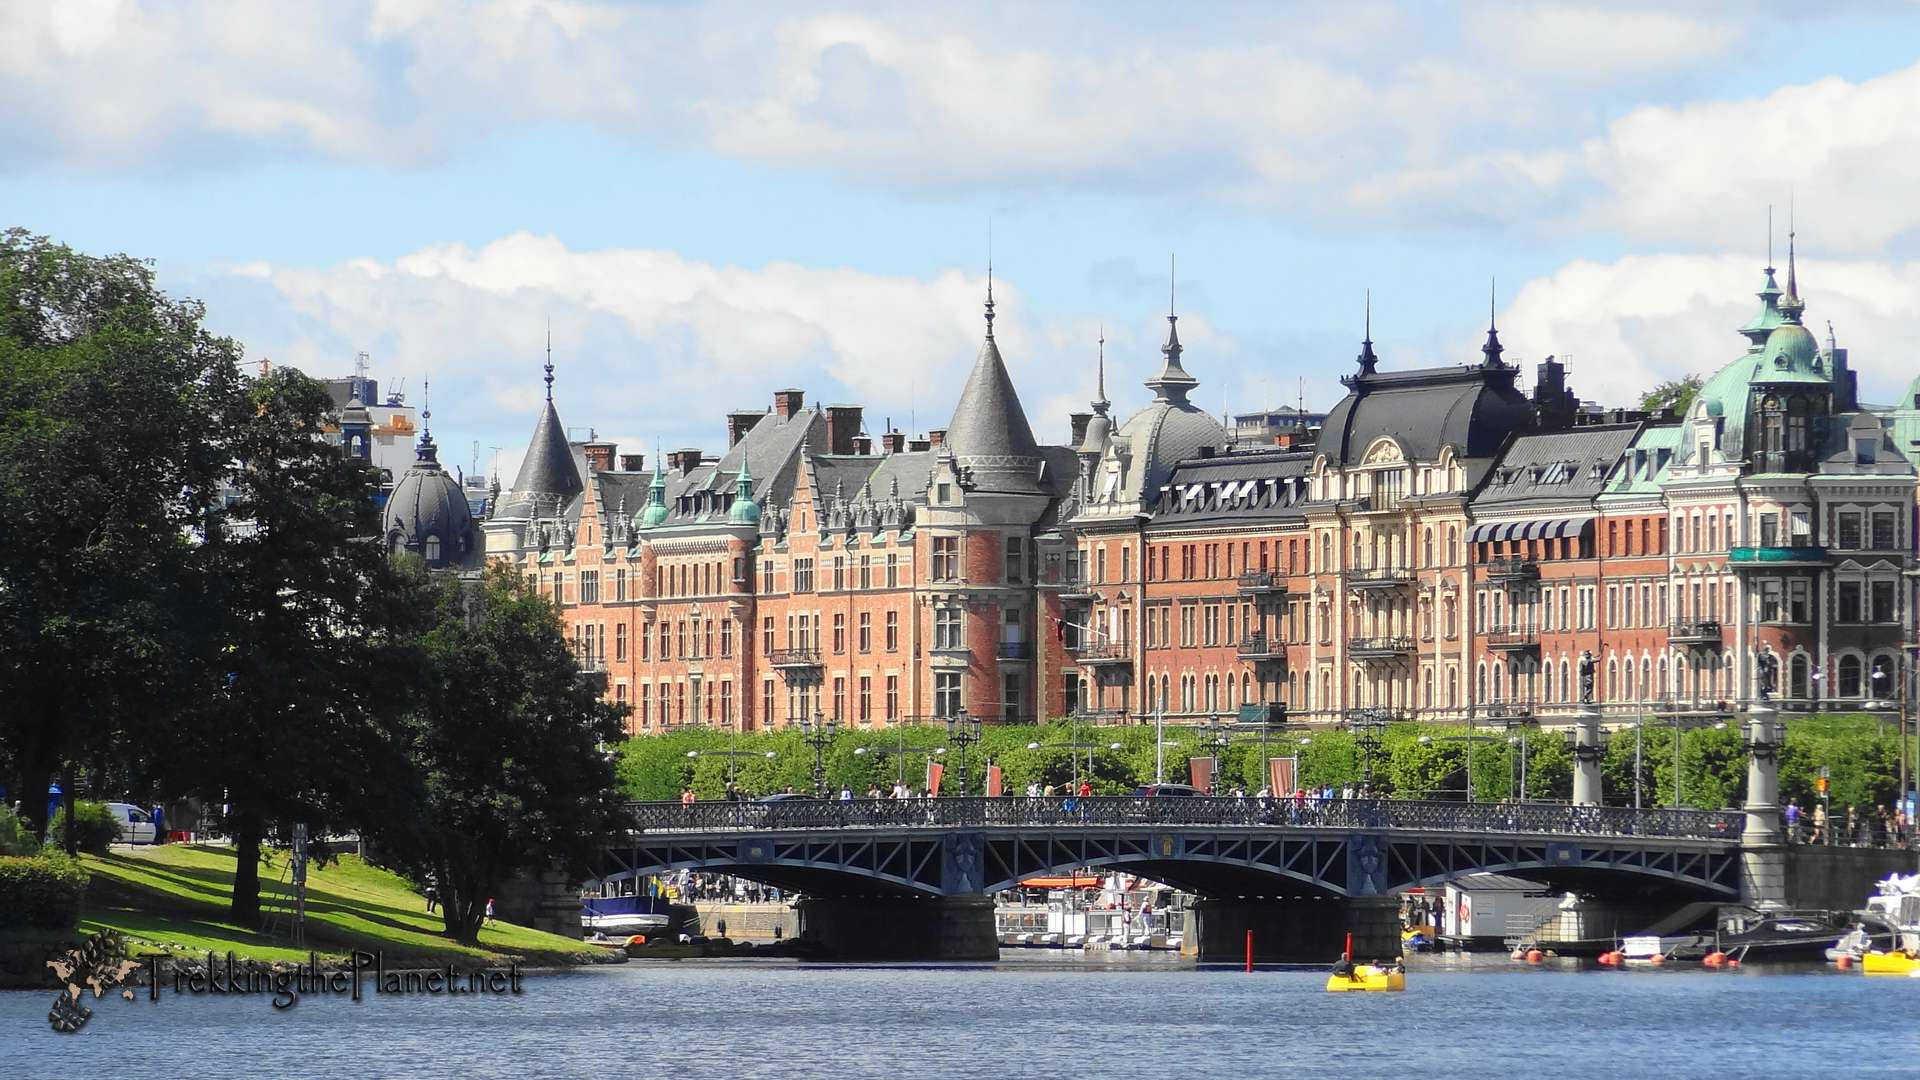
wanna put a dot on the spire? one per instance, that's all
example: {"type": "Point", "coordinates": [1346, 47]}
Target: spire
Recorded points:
{"type": "Point", "coordinates": [1769, 316]}
{"type": "Point", "coordinates": [1791, 305]}
{"type": "Point", "coordinates": [425, 451]}
{"type": "Point", "coordinates": [1492, 348]}
{"type": "Point", "coordinates": [656, 512]}
{"type": "Point", "coordinates": [1100, 402]}
{"type": "Point", "coordinates": [549, 360]}
{"type": "Point", "coordinates": [1173, 383]}
{"type": "Point", "coordinates": [989, 433]}
{"type": "Point", "coordinates": [1366, 359]}
{"type": "Point", "coordinates": [744, 511]}
{"type": "Point", "coordinates": [989, 299]}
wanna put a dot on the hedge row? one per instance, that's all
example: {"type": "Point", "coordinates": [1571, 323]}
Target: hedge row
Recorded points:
{"type": "Point", "coordinates": [41, 891]}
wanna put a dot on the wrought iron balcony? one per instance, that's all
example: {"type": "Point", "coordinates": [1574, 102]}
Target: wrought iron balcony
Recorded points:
{"type": "Point", "coordinates": [1014, 650]}
{"type": "Point", "coordinates": [1513, 638]}
{"type": "Point", "coordinates": [1512, 569]}
{"type": "Point", "coordinates": [1704, 632]}
{"type": "Point", "coordinates": [1075, 586]}
{"type": "Point", "coordinates": [794, 659]}
{"type": "Point", "coordinates": [1089, 653]}
{"type": "Point", "coordinates": [1258, 646]}
{"type": "Point", "coordinates": [1776, 558]}
{"type": "Point", "coordinates": [1379, 578]}
{"type": "Point", "coordinates": [1262, 583]}
{"type": "Point", "coordinates": [1379, 648]}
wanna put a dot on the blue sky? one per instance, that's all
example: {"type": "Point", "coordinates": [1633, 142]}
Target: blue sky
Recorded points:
{"type": "Point", "coordinates": [710, 201]}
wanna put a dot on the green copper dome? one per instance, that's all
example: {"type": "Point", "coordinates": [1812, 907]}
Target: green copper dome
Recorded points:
{"type": "Point", "coordinates": [655, 514]}
{"type": "Point", "coordinates": [744, 511]}
{"type": "Point", "coordinates": [1790, 355]}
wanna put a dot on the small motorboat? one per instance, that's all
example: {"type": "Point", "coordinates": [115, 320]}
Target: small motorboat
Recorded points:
{"type": "Point", "coordinates": [1349, 977]}
{"type": "Point", "coordinates": [622, 916]}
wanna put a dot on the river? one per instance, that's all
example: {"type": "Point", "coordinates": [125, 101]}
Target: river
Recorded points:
{"type": "Point", "coordinates": [1026, 1017]}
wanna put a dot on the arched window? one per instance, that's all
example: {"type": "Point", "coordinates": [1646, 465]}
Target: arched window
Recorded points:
{"type": "Point", "coordinates": [1628, 687]}
{"type": "Point", "coordinates": [1797, 671]}
{"type": "Point", "coordinates": [1849, 677]}
{"type": "Point", "coordinates": [1480, 682]}
{"type": "Point", "coordinates": [433, 547]}
{"type": "Point", "coordinates": [1453, 545]}
{"type": "Point", "coordinates": [1613, 680]}
{"type": "Point", "coordinates": [1426, 548]}
{"type": "Point", "coordinates": [1453, 688]}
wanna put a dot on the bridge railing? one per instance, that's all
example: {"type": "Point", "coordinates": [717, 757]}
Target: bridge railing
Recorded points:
{"type": "Point", "coordinates": [1027, 813]}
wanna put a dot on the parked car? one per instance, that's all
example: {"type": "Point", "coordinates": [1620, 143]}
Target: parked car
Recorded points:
{"type": "Point", "coordinates": [136, 824]}
{"type": "Point", "coordinates": [1170, 791]}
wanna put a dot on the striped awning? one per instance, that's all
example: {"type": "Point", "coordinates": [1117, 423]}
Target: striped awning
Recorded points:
{"type": "Point", "coordinates": [1533, 529]}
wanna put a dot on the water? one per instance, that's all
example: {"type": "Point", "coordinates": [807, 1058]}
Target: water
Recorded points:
{"type": "Point", "coordinates": [1024, 1018]}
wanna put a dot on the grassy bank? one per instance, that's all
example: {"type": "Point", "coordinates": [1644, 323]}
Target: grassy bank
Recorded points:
{"type": "Point", "coordinates": [174, 899]}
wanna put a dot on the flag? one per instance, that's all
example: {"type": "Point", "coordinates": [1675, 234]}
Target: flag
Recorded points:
{"type": "Point", "coordinates": [993, 781]}
{"type": "Point", "coordinates": [934, 772]}
{"type": "Point", "coordinates": [1202, 770]}
{"type": "Point", "coordinates": [1281, 772]}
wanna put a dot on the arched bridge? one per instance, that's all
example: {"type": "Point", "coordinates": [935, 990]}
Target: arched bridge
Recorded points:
{"type": "Point", "coordinates": [1216, 847]}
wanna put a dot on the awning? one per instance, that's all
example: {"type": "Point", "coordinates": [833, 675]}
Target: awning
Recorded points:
{"type": "Point", "coordinates": [1508, 530]}
{"type": "Point", "coordinates": [1569, 527]}
{"type": "Point", "coordinates": [1478, 534]}
{"type": "Point", "coordinates": [1062, 881]}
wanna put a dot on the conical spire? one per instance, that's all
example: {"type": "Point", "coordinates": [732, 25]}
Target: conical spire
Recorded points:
{"type": "Point", "coordinates": [1100, 402]}
{"type": "Point", "coordinates": [547, 474]}
{"type": "Point", "coordinates": [1769, 315]}
{"type": "Point", "coordinates": [1173, 383]}
{"type": "Point", "coordinates": [1099, 426]}
{"type": "Point", "coordinates": [1791, 305]}
{"type": "Point", "coordinates": [1366, 359]}
{"type": "Point", "coordinates": [549, 360]}
{"type": "Point", "coordinates": [989, 434]}
{"type": "Point", "coordinates": [656, 512]}
{"type": "Point", "coordinates": [1491, 349]}
{"type": "Point", "coordinates": [744, 511]}
{"type": "Point", "coordinates": [989, 300]}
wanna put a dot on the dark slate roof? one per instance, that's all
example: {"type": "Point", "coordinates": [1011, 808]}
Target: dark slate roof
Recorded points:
{"type": "Point", "coordinates": [1256, 486]}
{"type": "Point", "coordinates": [1472, 408]}
{"type": "Point", "coordinates": [428, 502]}
{"type": "Point", "coordinates": [989, 433]}
{"type": "Point", "coordinates": [548, 473]}
{"type": "Point", "coordinates": [1555, 469]}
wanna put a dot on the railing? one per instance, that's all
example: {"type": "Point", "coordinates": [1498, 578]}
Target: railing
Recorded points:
{"type": "Point", "coordinates": [1073, 584]}
{"type": "Point", "coordinates": [1283, 812]}
{"type": "Point", "coordinates": [1777, 556]}
{"type": "Point", "coordinates": [1512, 569]}
{"type": "Point", "coordinates": [1671, 706]}
{"type": "Point", "coordinates": [1101, 652]}
{"type": "Point", "coordinates": [1014, 650]}
{"type": "Point", "coordinates": [1378, 578]}
{"type": "Point", "coordinates": [1509, 710]}
{"type": "Point", "coordinates": [1513, 637]}
{"type": "Point", "coordinates": [1261, 581]}
{"type": "Point", "coordinates": [1704, 632]}
{"type": "Point", "coordinates": [794, 658]}
{"type": "Point", "coordinates": [1257, 646]}
{"type": "Point", "coordinates": [1379, 646]}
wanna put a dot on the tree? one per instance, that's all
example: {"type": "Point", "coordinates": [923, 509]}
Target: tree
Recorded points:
{"type": "Point", "coordinates": [507, 750]}
{"type": "Point", "coordinates": [110, 395]}
{"type": "Point", "coordinates": [301, 623]}
{"type": "Point", "coordinates": [1676, 394]}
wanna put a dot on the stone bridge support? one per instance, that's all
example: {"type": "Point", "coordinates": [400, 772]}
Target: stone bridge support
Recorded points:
{"type": "Point", "coordinates": [1587, 753]}
{"type": "Point", "coordinates": [947, 928]}
{"type": "Point", "coordinates": [1299, 930]}
{"type": "Point", "coordinates": [1763, 853]}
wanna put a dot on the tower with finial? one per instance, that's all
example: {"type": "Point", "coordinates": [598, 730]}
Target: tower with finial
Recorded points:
{"type": "Point", "coordinates": [1172, 384]}
{"type": "Point", "coordinates": [655, 515]}
{"type": "Point", "coordinates": [1367, 360]}
{"type": "Point", "coordinates": [1791, 305]}
{"type": "Point", "coordinates": [1093, 442]}
{"type": "Point", "coordinates": [1491, 349]}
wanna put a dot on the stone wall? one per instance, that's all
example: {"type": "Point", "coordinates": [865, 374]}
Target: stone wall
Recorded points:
{"type": "Point", "coordinates": [1839, 878]}
{"type": "Point", "coordinates": [748, 922]}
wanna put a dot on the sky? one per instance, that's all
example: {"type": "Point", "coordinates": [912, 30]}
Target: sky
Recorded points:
{"type": "Point", "coordinates": [706, 202]}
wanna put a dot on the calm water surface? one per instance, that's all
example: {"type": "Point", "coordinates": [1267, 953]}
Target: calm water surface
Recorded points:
{"type": "Point", "coordinates": [1023, 1018]}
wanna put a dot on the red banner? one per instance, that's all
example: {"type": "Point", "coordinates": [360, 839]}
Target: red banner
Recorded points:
{"type": "Point", "coordinates": [994, 781]}
{"type": "Point", "coordinates": [1281, 775]}
{"type": "Point", "coordinates": [1202, 770]}
{"type": "Point", "coordinates": [934, 771]}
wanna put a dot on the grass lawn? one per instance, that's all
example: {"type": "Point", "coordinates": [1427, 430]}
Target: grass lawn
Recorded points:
{"type": "Point", "coordinates": [174, 898]}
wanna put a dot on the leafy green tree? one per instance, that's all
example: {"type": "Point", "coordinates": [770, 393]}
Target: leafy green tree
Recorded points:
{"type": "Point", "coordinates": [111, 396]}
{"type": "Point", "coordinates": [507, 749]}
{"type": "Point", "coordinates": [1676, 394]}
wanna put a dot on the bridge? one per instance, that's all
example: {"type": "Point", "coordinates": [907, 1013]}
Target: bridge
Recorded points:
{"type": "Point", "coordinates": [914, 877]}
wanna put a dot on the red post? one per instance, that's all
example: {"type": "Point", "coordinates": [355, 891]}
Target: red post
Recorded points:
{"type": "Point", "coordinates": [1349, 946]}
{"type": "Point", "coordinates": [1249, 950]}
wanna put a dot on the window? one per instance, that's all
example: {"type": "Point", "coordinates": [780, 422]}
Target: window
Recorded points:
{"type": "Point", "coordinates": [433, 547]}
{"type": "Point", "coordinates": [1769, 530]}
{"type": "Point", "coordinates": [1010, 696]}
{"type": "Point", "coordinates": [620, 585]}
{"type": "Point", "coordinates": [893, 570]}
{"type": "Point", "coordinates": [620, 642]}
{"type": "Point", "coordinates": [1883, 530]}
{"type": "Point", "coordinates": [839, 632]}
{"type": "Point", "coordinates": [726, 638]}
{"type": "Point", "coordinates": [1847, 602]}
{"type": "Point", "coordinates": [866, 571]}
{"type": "Point", "coordinates": [666, 641]}
{"type": "Point", "coordinates": [1016, 559]}
{"type": "Point", "coordinates": [865, 640]}
{"type": "Point", "coordinates": [766, 576]}
{"type": "Point", "coordinates": [893, 631]}
{"type": "Point", "coordinates": [1880, 594]}
{"type": "Point", "coordinates": [644, 704]}
{"type": "Point", "coordinates": [803, 575]}
{"type": "Point", "coordinates": [839, 573]}
{"type": "Point", "coordinates": [840, 697]}
{"type": "Point", "coordinates": [766, 701]}
{"type": "Point", "coordinates": [1864, 451]}
{"type": "Point", "coordinates": [1100, 565]}
{"type": "Point", "coordinates": [589, 586]}
{"type": "Point", "coordinates": [866, 699]}
{"type": "Point", "coordinates": [1799, 602]}
{"type": "Point", "coordinates": [946, 558]}
{"type": "Point", "coordinates": [946, 693]}
{"type": "Point", "coordinates": [1126, 564]}
{"type": "Point", "coordinates": [726, 704]}
{"type": "Point", "coordinates": [1847, 536]}
{"type": "Point", "coordinates": [946, 628]}
{"type": "Point", "coordinates": [1849, 683]}
{"type": "Point", "coordinates": [893, 697]}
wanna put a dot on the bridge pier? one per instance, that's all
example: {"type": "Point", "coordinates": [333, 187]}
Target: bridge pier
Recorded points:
{"type": "Point", "coordinates": [1587, 753]}
{"type": "Point", "coordinates": [1300, 930]}
{"type": "Point", "coordinates": [948, 928]}
{"type": "Point", "coordinates": [1763, 853]}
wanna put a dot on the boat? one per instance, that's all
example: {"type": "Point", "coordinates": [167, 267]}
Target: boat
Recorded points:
{"type": "Point", "coordinates": [1888, 934]}
{"type": "Point", "coordinates": [624, 916]}
{"type": "Point", "coordinates": [1348, 977]}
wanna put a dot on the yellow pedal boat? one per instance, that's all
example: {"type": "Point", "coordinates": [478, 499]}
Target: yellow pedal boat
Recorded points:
{"type": "Point", "coordinates": [1367, 977]}
{"type": "Point", "coordinates": [1889, 963]}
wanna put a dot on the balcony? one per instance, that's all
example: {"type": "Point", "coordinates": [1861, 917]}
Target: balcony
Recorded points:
{"type": "Point", "coordinates": [1510, 710]}
{"type": "Point", "coordinates": [1685, 707]}
{"type": "Point", "coordinates": [1014, 650]}
{"type": "Point", "coordinates": [1378, 579]}
{"type": "Point", "coordinates": [1513, 570]}
{"type": "Point", "coordinates": [1777, 558]}
{"type": "Point", "coordinates": [795, 659]}
{"type": "Point", "coordinates": [1074, 586]}
{"type": "Point", "coordinates": [1271, 714]}
{"type": "Point", "coordinates": [1704, 632]}
{"type": "Point", "coordinates": [1513, 638]}
{"type": "Point", "coordinates": [1099, 654]}
{"type": "Point", "coordinates": [1262, 583]}
{"type": "Point", "coordinates": [1260, 647]}
{"type": "Point", "coordinates": [1379, 648]}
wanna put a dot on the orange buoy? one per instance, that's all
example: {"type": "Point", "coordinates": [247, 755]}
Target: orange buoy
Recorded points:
{"type": "Point", "coordinates": [1844, 961]}
{"type": "Point", "coordinates": [1610, 958]}
{"type": "Point", "coordinates": [1656, 960]}
{"type": "Point", "coordinates": [1733, 962]}
{"type": "Point", "coordinates": [1534, 956]}
{"type": "Point", "coordinates": [1519, 954]}
{"type": "Point", "coordinates": [1715, 959]}
{"type": "Point", "coordinates": [637, 939]}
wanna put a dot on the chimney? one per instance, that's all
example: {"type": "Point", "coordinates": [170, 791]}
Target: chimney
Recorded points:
{"type": "Point", "coordinates": [633, 463]}
{"type": "Point", "coordinates": [599, 454]}
{"type": "Point", "coordinates": [739, 422]}
{"type": "Point", "coordinates": [863, 445]}
{"type": "Point", "coordinates": [1079, 421]}
{"type": "Point", "coordinates": [788, 402]}
{"type": "Point", "coordinates": [919, 444]}
{"type": "Point", "coordinates": [683, 460]}
{"type": "Point", "coordinates": [843, 424]}
{"type": "Point", "coordinates": [936, 437]}
{"type": "Point", "coordinates": [894, 442]}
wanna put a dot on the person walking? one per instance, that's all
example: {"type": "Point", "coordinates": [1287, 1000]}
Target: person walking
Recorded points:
{"type": "Point", "coordinates": [1819, 823]}
{"type": "Point", "coordinates": [1792, 817]}
{"type": "Point", "coordinates": [433, 894]}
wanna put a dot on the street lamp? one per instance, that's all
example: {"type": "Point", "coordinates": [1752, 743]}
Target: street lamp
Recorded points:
{"type": "Point", "coordinates": [963, 731]}
{"type": "Point", "coordinates": [730, 755]}
{"type": "Point", "coordinates": [1075, 757]}
{"type": "Point", "coordinates": [901, 753]}
{"type": "Point", "coordinates": [818, 734]}
{"type": "Point", "coordinates": [1366, 726]}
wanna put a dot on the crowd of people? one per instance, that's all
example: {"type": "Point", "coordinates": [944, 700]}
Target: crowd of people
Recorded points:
{"type": "Point", "coordinates": [1853, 826]}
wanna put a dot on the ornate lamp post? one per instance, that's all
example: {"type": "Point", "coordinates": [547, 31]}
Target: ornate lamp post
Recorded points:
{"type": "Point", "coordinates": [1366, 726]}
{"type": "Point", "coordinates": [1216, 736]}
{"type": "Point", "coordinates": [818, 734]}
{"type": "Point", "coordinates": [962, 731]}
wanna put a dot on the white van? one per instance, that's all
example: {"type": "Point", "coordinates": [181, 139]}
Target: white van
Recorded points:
{"type": "Point", "coordinates": [136, 824]}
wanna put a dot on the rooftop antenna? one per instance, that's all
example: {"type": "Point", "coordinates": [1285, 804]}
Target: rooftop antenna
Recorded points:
{"type": "Point", "coordinates": [360, 365]}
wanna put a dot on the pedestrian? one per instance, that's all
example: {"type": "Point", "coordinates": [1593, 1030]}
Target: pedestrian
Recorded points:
{"type": "Point", "coordinates": [846, 793]}
{"type": "Point", "coordinates": [1853, 827]}
{"type": "Point", "coordinates": [489, 916]}
{"type": "Point", "coordinates": [1086, 789]}
{"type": "Point", "coordinates": [1819, 822]}
{"type": "Point", "coordinates": [721, 926]}
{"type": "Point", "coordinates": [433, 894]}
{"type": "Point", "coordinates": [1792, 815]}
{"type": "Point", "coordinates": [686, 796]}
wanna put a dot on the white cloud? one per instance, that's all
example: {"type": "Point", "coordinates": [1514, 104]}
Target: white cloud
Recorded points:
{"type": "Point", "coordinates": [1599, 42]}
{"type": "Point", "coordinates": [1629, 324]}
